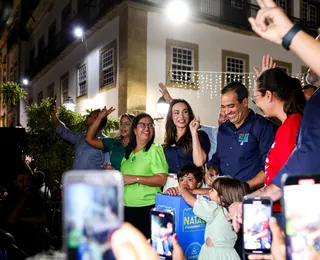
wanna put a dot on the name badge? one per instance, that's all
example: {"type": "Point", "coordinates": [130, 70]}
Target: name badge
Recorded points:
{"type": "Point", "coordinates": [243, 138]}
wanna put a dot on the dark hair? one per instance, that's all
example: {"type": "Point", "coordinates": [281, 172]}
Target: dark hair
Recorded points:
{"type": "Point", "coordinates": [38, 178]}
{"type": "Point", "coordinates": [20, 167]}
{"type": "Point", "coordinates": [309, 87]}
{"type": "Point", "coordinates": [185, 140]}
{"type": "Point", "coordinates": [238, 88]}
{"type": "Point", "coordinates": [285, 88]}
{"type": "Point", "coordinates": [131, 117]}
{"type": "Point", "coordinates": [103, 123]}
{"type": "Point", "coordinates": [197, 172]}
{"type": "Point", "coordinates": [133, 139]}
{"type": "Point", "coordinates": [229, 190]}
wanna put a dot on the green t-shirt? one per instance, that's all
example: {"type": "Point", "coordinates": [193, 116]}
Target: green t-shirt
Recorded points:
{"type": "Point", "coordinates": [116, 150]}
{"type": "Point", "coordinates": [143, 163]}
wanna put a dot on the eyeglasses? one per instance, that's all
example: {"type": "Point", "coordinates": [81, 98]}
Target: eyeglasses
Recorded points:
{"type": "Point", "coordinates": [126, 124]}
{"type": "Point", "coordinates": [144, 125]}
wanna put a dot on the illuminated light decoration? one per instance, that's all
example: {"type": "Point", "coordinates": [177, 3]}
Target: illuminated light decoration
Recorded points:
{"type": "Point", "coordinates": [210, 83]}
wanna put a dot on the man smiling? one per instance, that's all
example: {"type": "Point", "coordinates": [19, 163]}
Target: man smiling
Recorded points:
{"type": "Point", "coordinates": [243, 140]}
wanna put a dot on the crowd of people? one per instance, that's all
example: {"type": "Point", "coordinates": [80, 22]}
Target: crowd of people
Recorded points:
{"type": "Point", "coordinates": [246, 155]}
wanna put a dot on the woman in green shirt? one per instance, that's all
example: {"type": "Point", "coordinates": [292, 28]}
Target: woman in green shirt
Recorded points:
{"type": "Point", "coordinates": [115, 146]}
{"type": "Point", "coordinates": [144, 170]}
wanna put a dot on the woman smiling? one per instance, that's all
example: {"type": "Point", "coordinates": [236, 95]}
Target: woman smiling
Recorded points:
{"type": "Point", "coordinates": [184, 143]}
{"type": "Point", "coordinates": [144, 170]}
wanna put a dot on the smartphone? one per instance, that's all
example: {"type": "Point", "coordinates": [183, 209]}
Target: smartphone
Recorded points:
{"type": "Point", "coordinates": [302, 213]}
{"type": "Point", "coordinates": [162, 230]}
{"type": "Point", "coordinates": [92, 211]}
{"type": "Point", "coordinates": [256, 213]}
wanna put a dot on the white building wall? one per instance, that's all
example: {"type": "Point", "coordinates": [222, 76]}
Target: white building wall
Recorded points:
{"type": "Point", "coordinates": [86, 51]}
{"type": "Point", "coordinates": [211, 41]}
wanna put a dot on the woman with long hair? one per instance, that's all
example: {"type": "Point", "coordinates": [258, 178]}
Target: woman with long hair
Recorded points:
{"type": "Point", "coordinates": [115, 146]}
{"type": "Point", "coordinates": [280, 96]}
{"type": "Point", "coordinates": [184, 143]}
{"type": "Point", "coordinates": [144, 170]}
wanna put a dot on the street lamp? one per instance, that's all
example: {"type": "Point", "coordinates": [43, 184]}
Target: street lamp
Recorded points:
{"type": "Point", "coordinates": [70, 105]}
{"type": "Point", "coordinates": [162, 108]}
{"type": "Point", "coordinates": [178, 10]}
{"type": "Point", "coordinates": [25, 82]}
{"type": "Point", "coordinates": [78, 32]}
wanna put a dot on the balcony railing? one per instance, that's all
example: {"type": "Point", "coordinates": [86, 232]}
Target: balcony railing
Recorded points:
{"type": "Point", "coordinates": [225, 12]}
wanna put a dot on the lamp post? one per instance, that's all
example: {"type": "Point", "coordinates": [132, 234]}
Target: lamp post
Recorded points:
{"type": "Point", "coordinates": [162, 108]}
{"type": "Point", "coordinates": [69, 104]}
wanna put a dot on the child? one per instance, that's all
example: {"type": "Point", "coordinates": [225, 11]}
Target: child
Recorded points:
{"type": "Point", "coordinates": [191, 176]}
{"type": "Point", "coordinates": [220, 237]}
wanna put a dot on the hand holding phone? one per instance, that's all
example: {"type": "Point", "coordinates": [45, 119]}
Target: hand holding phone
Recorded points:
{"type": "Point", "coordinates": [92, 210]}
{"type": "Point", "coordinates": [162, 230]}
{"type": "Point", "coordinates": [256, 214]}
{"type": "Point", "coordinates": [53, 107]}
{"type": "Point", "coordinates": [302, 215]}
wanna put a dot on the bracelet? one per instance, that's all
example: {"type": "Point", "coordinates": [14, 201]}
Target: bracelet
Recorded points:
{"type": "Point", "coordinates": [287, 39]}
{"type": "Point", "coordinates": [138, 179]}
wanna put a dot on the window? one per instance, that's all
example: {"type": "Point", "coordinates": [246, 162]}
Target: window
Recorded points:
{"type": "Point", "coordinates": [52, 32]}
{"type": "Point", "coordinates": [40, 97]}
{"type": "Point", "coordinates": [182, 61]}
{"type": "Point", "coordinates": [82, 80]}
{"type": "Point", "coordinates": [66, 14]}
{"type": "Point", "coordinates": [283, 4]}
{"type": "Point", "coordinates": [235, 65]}
{"type": "Point", "coordinates": [64, 85]}
{"type": "Point", "coordinates": [181, 64]}
{"type": "Point", "coordinates": [30, 101]}
{"type": "Point", "coordinates": [309, 14]}
{"type": "Point", "coordinates": [237, 4]}
{"type": "Point", "coordinates": [13, 76]}
{"type": "Point", "coordinates": [40, 45]}
{"type": "Point", "coordinates": [286, 66]}
{"type": "Point", "coordinates": [108, 66]}
{"type": "Point", "coordinates": [31, 56]}
{"type": "Point", "coordinates": [50, 90]}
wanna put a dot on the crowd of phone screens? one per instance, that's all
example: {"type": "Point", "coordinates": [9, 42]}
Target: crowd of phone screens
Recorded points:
{"type": "Point", "coordinates": [93, 210]}
{"type": "Point", "coordinates": [301, 209]}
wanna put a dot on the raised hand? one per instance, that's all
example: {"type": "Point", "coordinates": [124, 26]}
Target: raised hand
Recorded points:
{"type": "Point", "coordinates": [278, 22]}
{"type": "Point", "coordinates": [164, 91]}
{"type": "Point", "coordinates": [129, 244]}
{"type": "Point", "coordinates": [267, 63]}
{"type": "Point", "coordinates": [105, 112]}
{"type": "Point", "coordinates": [53, 107]}
{"type": "Point", "coordinates": [194, 125]}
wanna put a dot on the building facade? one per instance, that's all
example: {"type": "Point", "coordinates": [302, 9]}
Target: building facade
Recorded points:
{"type": "Point", "coordinates": [128, 47]}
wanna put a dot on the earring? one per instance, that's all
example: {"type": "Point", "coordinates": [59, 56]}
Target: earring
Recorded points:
{"type": "Point", "coordinates": [269, 100]}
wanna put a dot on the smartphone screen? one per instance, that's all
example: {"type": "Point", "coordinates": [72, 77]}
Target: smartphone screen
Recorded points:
{"type": "Point", "coordinates": [93, 209]}
{"type": "Point", "coordinates": [162, 230]}
{"type": "Point", "coordinates": [302, 213]}
{"type": "Point", "coordinates": [257, 212]}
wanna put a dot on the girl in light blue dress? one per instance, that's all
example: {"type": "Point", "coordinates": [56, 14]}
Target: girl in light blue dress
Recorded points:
{"type": "Point", "coordinates": [219, 236]}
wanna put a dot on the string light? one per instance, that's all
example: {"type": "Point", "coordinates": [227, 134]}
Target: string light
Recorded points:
{"type": "Point", "coordinates": [211, 82]}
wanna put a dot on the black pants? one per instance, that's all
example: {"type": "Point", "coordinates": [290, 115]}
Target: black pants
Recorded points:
{"type": "Point", "coordinates": [140, 218]}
